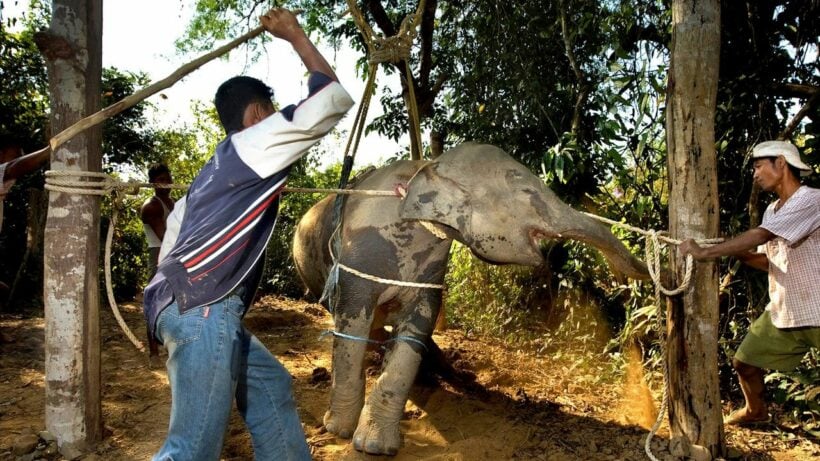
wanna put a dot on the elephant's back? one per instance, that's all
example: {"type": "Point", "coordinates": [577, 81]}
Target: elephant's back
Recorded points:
{"type": "Point", "coordinates": [361, 210]}
{"type": "Point", "coordinates": [310, 253]}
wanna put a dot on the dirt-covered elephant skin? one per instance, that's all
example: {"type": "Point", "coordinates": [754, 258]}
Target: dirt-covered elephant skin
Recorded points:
{"type": "Point", "coordinates": [476, 194]}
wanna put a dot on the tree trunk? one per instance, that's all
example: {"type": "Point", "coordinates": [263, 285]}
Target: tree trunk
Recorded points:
{"type": "Point", "coordinates": [694, 393]}
{"type": "Point", "coordinates": [73, 52]}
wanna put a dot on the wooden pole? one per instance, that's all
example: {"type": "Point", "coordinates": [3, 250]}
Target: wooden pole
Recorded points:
{"type": "Point", "coordinates": [694, 394]}
{"type": "Point", "coordinates": [72, 47]}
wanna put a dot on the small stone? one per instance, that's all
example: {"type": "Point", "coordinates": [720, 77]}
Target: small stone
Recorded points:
{"type": "Point", "coordinates": [47, 436]}
{"type": "Point", "coordinates": [319, 375]}
{"type": "Point", "coordinates": [51, 449]}
{"type": "Point", "coordinates": [70, 451]}
{"type": "Point", "coordinates": [592, 447]}
{"type": "Point", "coordinates": [699, 453]}
{"type": "Point", "coordinates": [24, 443]}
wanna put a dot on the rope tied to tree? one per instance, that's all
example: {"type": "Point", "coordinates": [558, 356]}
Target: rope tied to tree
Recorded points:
{"type": "Point", "coordinates": [652, 251]}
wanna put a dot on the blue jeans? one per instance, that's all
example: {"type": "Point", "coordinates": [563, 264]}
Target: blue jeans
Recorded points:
{"type": "Point", "coordinates": [212, 358]}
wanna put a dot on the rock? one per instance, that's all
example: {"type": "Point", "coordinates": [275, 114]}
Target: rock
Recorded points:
{"type": "Point", "coordinates": [25, 443]}
{"type": "Point", "coordinates": [47, 436]}
{"type": "Point", "coordinates": [51, 449]}
{"type": "Point", "coordinates": [699, 453]}
{"type": "Point", "coordinates": [319, 375]}
{"type": "Point", "coordinates": [71, 451]}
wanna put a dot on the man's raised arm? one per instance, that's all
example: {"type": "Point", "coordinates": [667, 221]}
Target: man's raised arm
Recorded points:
{"type": "Point", "coordinates": [283, 24]}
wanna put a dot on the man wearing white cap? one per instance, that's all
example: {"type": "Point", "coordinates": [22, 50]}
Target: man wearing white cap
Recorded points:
{"type": "Point", "coordinates": [789, 245]}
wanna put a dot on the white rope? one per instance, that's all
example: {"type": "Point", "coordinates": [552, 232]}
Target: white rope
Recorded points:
{"type": "Point", "coordinates": [653, 266]}
{"type": "Point", "coordinates": [400, 283]}
{"type": "Point", "coordinates": [109, 286]}
{"type": "Point", "coordinates": [661, 327]}
{"type": "Point", "coordinates": [373, 278]}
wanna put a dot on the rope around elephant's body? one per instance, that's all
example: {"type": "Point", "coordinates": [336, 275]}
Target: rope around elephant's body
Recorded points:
{"type": "Point", "coordinates": [408, 339]}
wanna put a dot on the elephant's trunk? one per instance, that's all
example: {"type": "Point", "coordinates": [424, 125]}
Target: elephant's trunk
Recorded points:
{"type": "Point", "coordinates": [598, 235]}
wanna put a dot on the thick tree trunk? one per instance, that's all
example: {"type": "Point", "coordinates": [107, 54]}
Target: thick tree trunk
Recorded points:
{"type": "Point", "coordinates": [694, 407]}
{"type": "Point", "coordinates": [73, 51]}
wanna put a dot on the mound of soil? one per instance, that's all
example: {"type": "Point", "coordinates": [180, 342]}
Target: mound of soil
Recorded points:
{"type": "Point", "coordinates": [506, 404]}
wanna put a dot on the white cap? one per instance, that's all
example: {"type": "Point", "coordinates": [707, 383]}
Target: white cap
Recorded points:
{"type": "Point", "coordinates": [778, 148]}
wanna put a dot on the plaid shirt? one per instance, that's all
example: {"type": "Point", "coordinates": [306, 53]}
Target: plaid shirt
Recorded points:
{"type": "Point", "coordinates": [794, 259]}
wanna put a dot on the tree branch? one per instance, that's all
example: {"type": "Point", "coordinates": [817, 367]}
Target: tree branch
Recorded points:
{"type": "Point", "coordinates": [426, 36]}
{"type": "Point", "coordinates": [795, 121]}
{"type": "Point", "coordinates": [576, 69]}
{"type": "Point", "coordinates": [380, 17]}
{"type": "Point", "coordinates": [795, 90]}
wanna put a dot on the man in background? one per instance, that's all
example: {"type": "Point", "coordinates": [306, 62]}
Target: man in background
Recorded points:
{"type": "Point", "coordinates": [153, 214]}
{"type": "Point", "coordinates": [155, 211]}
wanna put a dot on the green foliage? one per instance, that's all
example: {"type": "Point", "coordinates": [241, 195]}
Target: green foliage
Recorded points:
{"type": "Point", "coordinates": [126, 138]}
{"type": "Point", "coordinates": [24, 98]}
{"type": "Point", "coordinates": [482, 298]}
{"type": "Point", "coordinates": [129, 252]}
{"type": "Point", "coordinates": [799, 391]}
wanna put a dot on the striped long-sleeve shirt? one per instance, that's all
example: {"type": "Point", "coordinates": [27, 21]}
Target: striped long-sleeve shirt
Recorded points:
{"type": "Point", "coordinates": [231, 207]}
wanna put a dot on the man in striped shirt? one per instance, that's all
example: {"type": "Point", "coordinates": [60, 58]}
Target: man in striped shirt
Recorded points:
{"type": "Point", "coordinates": [207, 277]}
{"type": "Point", "coordinates": [789, 239]}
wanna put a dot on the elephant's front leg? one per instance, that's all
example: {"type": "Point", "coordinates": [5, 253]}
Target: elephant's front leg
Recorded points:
{"type": "Point", "coordinates": [347, 389]}
{"type": "Point", "coordinates": [378, 429]}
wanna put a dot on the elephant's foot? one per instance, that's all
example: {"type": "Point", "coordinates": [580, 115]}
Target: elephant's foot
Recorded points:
{"type": "Point", "coordinates": [341, 424]}
{"type": "Point", "coordinates": [377, 436]}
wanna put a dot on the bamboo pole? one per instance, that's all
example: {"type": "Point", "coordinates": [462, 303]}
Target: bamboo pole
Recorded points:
{"type": "Point", "coordinates": [150, 90]}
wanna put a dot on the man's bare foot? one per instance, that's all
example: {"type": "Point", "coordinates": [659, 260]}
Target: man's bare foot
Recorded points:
{"type": "Point", "coordinates": [743, 417]}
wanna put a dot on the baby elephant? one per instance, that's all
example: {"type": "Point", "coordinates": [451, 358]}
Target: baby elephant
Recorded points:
{"type": "Point", "coordinates": [474, 193]}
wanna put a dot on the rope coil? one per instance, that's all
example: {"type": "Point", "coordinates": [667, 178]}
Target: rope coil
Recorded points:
{"type": "Point", "coordinates": [393, 49]}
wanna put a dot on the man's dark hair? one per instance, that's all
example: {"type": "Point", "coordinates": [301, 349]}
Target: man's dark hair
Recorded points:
{"type": "Point", "coordinates": [235, 95]}
{"type": "Point", "coordinates": [156, 169]}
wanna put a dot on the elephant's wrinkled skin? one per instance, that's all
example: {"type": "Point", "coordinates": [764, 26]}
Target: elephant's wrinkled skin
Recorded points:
{"type": "Point", "coordinates": [476, 194]}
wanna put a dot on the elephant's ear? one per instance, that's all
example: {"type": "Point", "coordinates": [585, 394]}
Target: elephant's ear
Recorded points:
{"type": "Point", "coordinates": [434, 197]}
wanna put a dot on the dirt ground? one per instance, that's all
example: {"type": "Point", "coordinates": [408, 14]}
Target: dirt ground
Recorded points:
{"type": "Point", "coordinates": [521, 406]}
